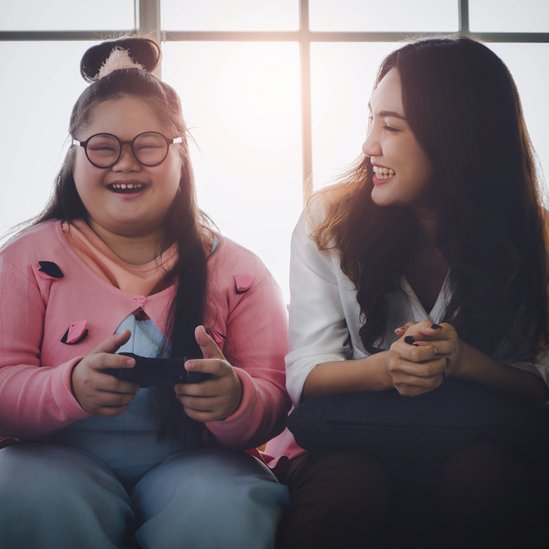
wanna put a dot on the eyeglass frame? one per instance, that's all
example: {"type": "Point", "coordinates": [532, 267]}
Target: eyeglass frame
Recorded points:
{"type": "Point", "coordinates": [174, 140]}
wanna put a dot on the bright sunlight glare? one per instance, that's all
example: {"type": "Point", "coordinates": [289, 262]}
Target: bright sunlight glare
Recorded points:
{"type": "Point", "coordinates": [264, 87]}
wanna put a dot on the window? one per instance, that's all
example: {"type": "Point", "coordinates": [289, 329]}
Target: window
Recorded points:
{"type": "Point", "coordinates": [275, 91]}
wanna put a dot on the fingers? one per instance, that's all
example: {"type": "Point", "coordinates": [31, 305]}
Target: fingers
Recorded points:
{"type": "Point", "coordinates": [412, 379]}
{"type": "Point", "coordinates": [113, 343]}
{"type": "Point", "coordinates": [214, 360]}
{"type": "Point", "coordinates": [401, 369]}
{"type": "Point", "coordinates": [207, 345]}
{"type": "Point", "coordinates": [215, 398]}
{"type": "Point", "coordinates": [416, 390]}
{"type": "Point", "coordinates": [104, 361]}
{"type": "Point", "coordinates": [425, 353]}
{"type": "Point", "coordinates": [97, 391]}
{"type": "Point", "coordinates": [411, 350]}
{"type": "Point", "coordinates": [212, 407]}
{"type": "Point", "coordinates": [401, 330]}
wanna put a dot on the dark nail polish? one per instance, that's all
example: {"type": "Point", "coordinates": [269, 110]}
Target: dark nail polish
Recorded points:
{"type": "Point", "coordinates": [410, 340]}
{"type": "Point", "coordinates": [436, 326]}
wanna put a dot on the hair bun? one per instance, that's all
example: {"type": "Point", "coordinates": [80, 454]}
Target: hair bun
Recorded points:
{"type": "Point", "coordinates": [144, 51]}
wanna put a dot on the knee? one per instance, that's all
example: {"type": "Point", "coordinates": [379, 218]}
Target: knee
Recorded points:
{"type": "Point", "coordinates": [482, 475]}
{"type": "Point", "coordinates": [21, 476]}
{"type": "Point", "coordinates": [209, 499]}
{"type": "Point", "coordinates": [59, 497]}
{"type": "Point", "coordinates": [336, 500]}
{"type": "Point", "coordinates": [489, 499]}
{"type": "Point", "coordinates": [341, 481]}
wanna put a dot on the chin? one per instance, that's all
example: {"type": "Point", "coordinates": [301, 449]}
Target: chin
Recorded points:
{"type": "Point", "coordinates": [382, 199]}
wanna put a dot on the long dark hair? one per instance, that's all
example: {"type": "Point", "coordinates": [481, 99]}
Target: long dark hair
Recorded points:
{"type": "Point", "coordinates": [463, 106]}
{"type": "Point", "coordinates": [186, 224]}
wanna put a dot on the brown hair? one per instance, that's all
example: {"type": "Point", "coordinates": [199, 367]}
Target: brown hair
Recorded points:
{"type": "Point", "coordinates": [464, 109]}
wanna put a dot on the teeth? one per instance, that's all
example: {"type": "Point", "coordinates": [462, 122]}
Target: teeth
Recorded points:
{"type": "Point", "coordinates": [127, 187]}
{"type": "Point", "coordinates": [383, 173]}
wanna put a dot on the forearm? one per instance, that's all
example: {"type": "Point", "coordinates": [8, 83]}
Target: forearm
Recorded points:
{"type": "Point", "coordinates": [37, 401]}
{"type": "Point", "coordinates": [476, 366]}
{"type": "Point", "coordinates": [346, 376]}
{"type": "Point", "coordinates": [260, 416]}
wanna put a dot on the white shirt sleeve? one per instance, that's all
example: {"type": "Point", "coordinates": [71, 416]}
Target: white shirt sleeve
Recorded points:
{"type": "Point", "coordinates": [318, 330]}
{"type": "Point", "coordinates": [540, 366]}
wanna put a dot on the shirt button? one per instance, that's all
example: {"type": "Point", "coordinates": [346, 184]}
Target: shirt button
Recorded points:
{"type": "Point", "coordinates": [140, 299]}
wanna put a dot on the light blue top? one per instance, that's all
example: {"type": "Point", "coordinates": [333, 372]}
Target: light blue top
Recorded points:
{"type": "Point", "coordinates": [129, 443]}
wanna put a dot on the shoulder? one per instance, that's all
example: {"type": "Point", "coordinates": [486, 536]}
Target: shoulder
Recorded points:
{"type": "Point", "coordinates": [232, 265]}
{"type": "Point", "coordinates": [326, 210]}
{"type": "Point", "coordinates": [316, 210]}
{"type": "Point", "coordinates": [34, 240]}
{"type": "Point", "coordinates": [230, 253]}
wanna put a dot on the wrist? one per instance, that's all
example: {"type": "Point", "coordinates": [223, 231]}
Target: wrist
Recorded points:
{"type": "Point", "coordinates": [461, 362]}
{"type": "Point", "coordinates": [382, 381]}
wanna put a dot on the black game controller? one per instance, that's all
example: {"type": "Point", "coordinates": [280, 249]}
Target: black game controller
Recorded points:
{"type": "Point", "coordinates": [157, 372]}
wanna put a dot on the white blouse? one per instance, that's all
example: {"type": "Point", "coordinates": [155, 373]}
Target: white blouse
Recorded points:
{"type": "Point", "coordinates": [324, 314]}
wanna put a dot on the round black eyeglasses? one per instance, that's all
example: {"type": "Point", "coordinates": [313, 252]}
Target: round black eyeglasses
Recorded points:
{"type": "Point", "coordinates": [104, 150]}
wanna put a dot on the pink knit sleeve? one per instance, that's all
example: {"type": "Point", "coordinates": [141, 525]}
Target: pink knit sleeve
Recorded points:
{"type": "Point", "coordinates": [34, 399]}
{"type": "Point", "coordinates": [256, 343]}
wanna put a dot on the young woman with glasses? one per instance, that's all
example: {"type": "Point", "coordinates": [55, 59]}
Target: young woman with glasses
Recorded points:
{"type": "Point", "coordinates": [122, 260]}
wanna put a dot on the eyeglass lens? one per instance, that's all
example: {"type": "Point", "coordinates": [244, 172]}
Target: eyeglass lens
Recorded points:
{"type": "Point", "coordinates": [150, 149]}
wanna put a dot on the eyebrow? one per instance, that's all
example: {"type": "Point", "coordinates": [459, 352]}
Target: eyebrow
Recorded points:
{"type": "Point", "coordinates": [393, 114]}
{"type": "Point", "coordinates": [386, 112]}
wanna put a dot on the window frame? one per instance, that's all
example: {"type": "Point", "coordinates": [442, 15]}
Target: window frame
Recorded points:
{"type": "Point", "coordinates": [147, 21]}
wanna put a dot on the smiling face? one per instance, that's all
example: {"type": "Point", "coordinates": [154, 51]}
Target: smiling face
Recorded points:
{"type": "Point", "coordinates": [402, 172]}
{"type": "Point", "coordinates": [127, 199]}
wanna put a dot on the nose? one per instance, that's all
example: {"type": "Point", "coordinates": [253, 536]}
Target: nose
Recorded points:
{"type": "Point", "coordinates": [127, 161]}
{"type": "Point", "coordinates": [371, 146]}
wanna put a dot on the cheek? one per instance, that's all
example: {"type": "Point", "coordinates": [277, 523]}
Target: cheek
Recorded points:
{"type": "Point", "coordinates": [423, 169]}
{"type": "Point", "coordinates": [83, 173]}
{"type": "Point", "coordinates": [172, 175]}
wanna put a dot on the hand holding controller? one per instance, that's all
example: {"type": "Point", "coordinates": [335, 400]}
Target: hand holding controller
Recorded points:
{"type": "Point", "coordinates": [157, 372]}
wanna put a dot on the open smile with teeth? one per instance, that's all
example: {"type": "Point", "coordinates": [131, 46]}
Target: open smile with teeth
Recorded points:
{"type": "Point", "coordinates": [383, 173]}
{"type": "Point", "coordinates": [126, 187]}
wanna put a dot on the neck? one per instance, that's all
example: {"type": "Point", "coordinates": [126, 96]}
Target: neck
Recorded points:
{"type": "Point", "coordinates": [428, 224]}
{"type": "Point", "coordinates": [133, 249]}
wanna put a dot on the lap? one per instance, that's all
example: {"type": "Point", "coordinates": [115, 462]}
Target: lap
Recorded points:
{"type": "Point", "coordinates": [346, 496]}
{"type": "Point", "coordinates": [54, 496]}
{"type": "Point", "coordinates": [209, 497]}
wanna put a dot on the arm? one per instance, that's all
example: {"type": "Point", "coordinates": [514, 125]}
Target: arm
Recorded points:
{"type": "Point", "coordinates": [37, 399]}
{"type": "Point", "coordinates": [320, 340]}
{"type": "Point", "coordinates": [410, 369]}
{"type": "Point", "coordinates": [347, 376]}
{"type": "Point", "coordinates": [467, 362]}
{"type": "Point", "coordinates": [317, 326]}
{"type": "Point", "coordinates": [476, 366]}
{"type": "Point", "coordinates": [34, 399]}
{"type": "Point", "coordinates": [248, 401]}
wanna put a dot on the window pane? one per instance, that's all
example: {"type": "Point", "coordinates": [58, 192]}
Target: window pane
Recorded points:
{"type": "Point", "coordinates": [35, 110]}
{"type": "Point", "coordinates": [342, 80]}
{"type": "Point", "coordinates": [242, 103]}
{"type": "Point", "coordinates": [388, 16]}
{"type": "Point", "coordinates": [243, 15]}
{"type": "Point", "coordinates": [532, 86]}
{"type": "Point", "coordinates": [66, 15]}
{"type": "Point", "coordinates": [509, 15]}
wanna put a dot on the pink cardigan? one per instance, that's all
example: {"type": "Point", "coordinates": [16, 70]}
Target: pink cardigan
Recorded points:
{"type": "Point", "coordinates": [244, 313]}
